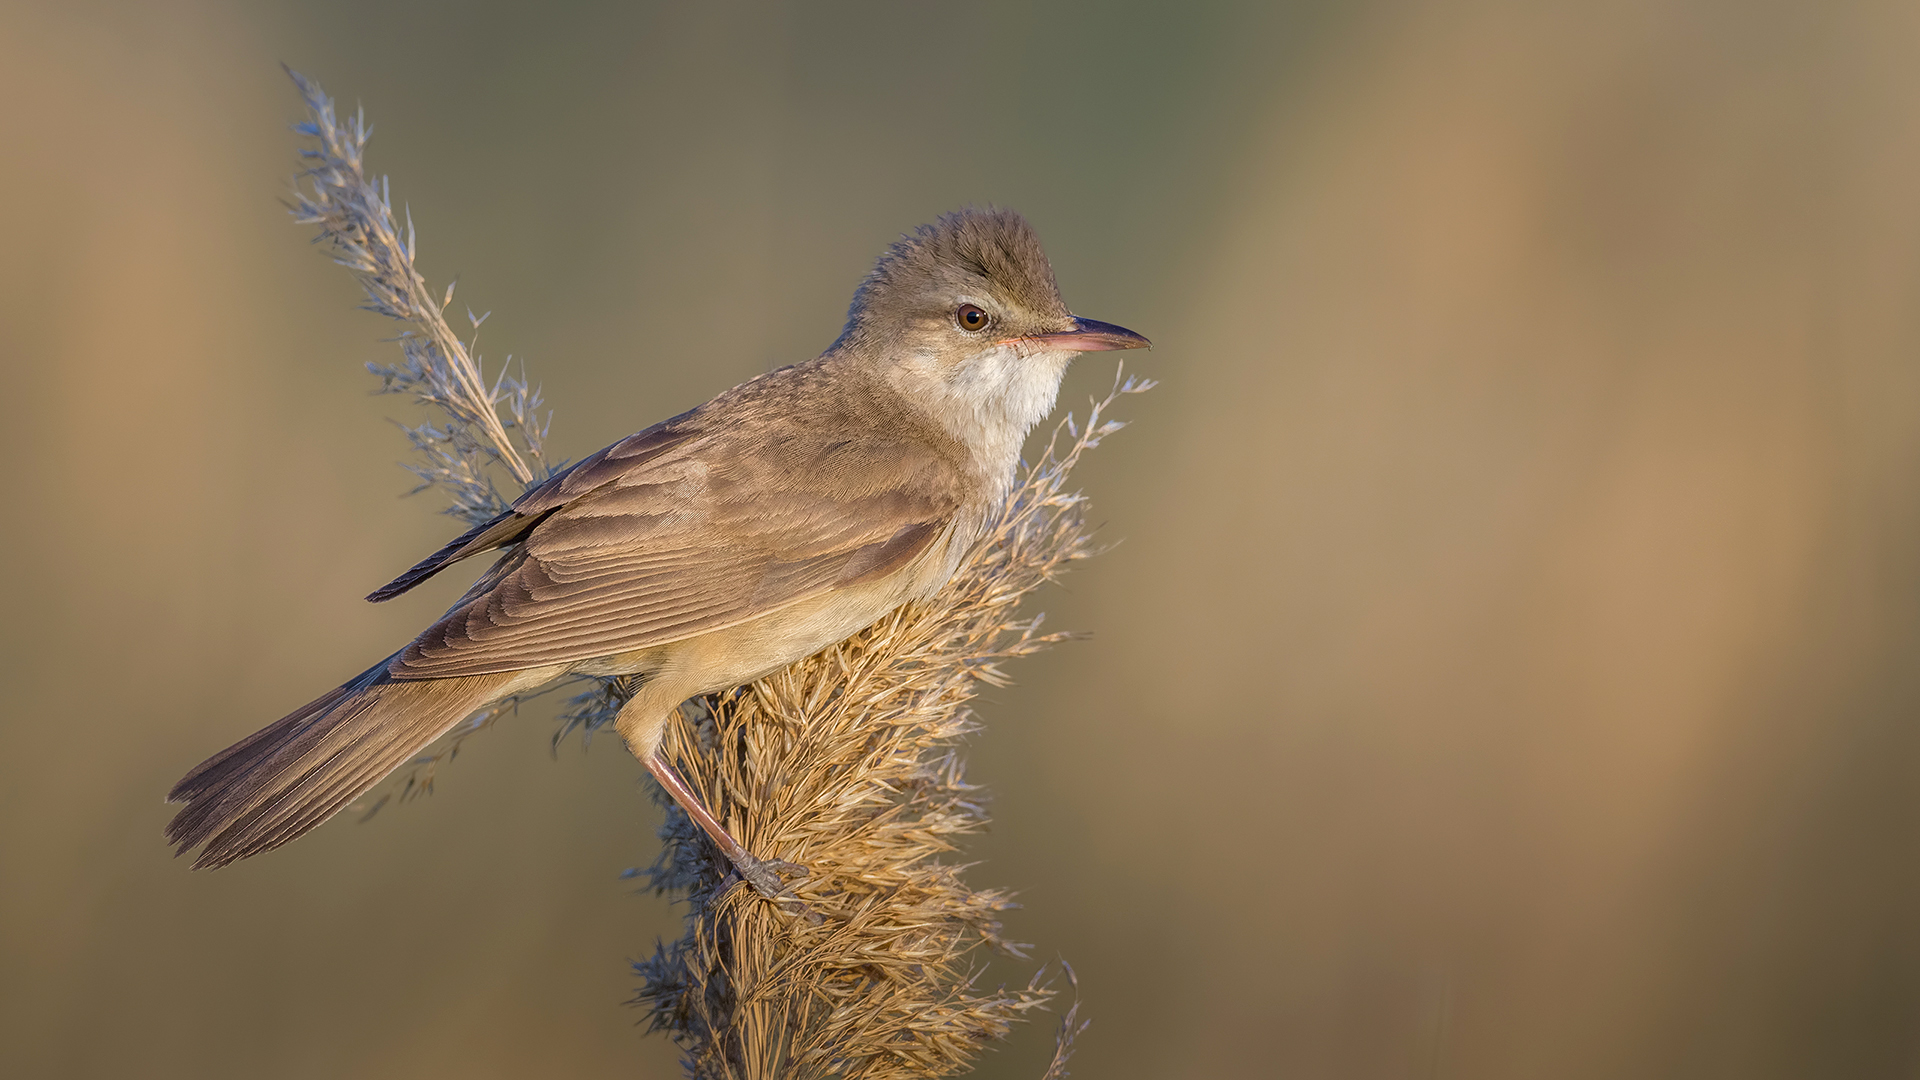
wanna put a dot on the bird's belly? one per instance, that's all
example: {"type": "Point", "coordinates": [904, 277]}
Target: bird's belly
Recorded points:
{"type": "Point", "coordinates": [739, 654]}
{"type": "Point", "coordinates": [765, 645]}
{"type": "Point", "coordinates": [752, 650]}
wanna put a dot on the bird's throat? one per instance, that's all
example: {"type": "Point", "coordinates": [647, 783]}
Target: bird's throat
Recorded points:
{"type": "Point", "coordinates": [990, 401]}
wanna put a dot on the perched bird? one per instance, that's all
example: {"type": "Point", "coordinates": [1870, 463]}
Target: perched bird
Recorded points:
{"type": "Point", "coordinates": [712, 548]}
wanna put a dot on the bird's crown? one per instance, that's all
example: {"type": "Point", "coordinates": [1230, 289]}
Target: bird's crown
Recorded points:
{"type": "Point", "coordinates": [989, 257]}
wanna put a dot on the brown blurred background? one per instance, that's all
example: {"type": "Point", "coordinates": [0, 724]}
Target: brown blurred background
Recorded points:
{"type": "Point", "coordinates": [1509, 669]}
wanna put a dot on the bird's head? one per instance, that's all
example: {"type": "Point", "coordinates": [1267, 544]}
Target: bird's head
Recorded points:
{"type": "Point", "coordinates": [964, 317]}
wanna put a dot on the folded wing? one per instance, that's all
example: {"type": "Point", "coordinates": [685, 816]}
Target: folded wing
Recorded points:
{"type": "Point", "coordinates": [708, 525]}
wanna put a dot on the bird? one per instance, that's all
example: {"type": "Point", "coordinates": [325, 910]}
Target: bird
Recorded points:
{"type": "Point", "coordinates": [711, 549]}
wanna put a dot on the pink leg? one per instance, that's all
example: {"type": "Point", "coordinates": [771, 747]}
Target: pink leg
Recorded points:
{"type": "Point", "coordinates": [762, 874]}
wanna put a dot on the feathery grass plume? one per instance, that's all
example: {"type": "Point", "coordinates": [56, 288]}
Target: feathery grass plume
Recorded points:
{"type": "Point", "coordinates": [849, 763]}
{"type": "Point", "coordinates": [436, 368]}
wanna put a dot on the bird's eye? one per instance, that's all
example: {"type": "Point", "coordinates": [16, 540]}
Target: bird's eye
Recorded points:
{"type": "Point", "coordinates": [971, 317]}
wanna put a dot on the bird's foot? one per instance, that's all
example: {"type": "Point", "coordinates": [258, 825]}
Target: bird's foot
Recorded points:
{"type": "Point", "coordinates": [765, 875]}
{"type": "Point", "coordinates": [769, 878]}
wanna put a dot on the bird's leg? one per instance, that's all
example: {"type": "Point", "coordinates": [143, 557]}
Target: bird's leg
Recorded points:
{"type": "Point", "coordinates": [762, 874]}
{"type": "Point", "coordinates": [642, 722]}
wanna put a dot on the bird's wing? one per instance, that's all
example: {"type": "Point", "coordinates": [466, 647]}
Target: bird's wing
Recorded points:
{"type": "Point", "coordinates": [729, 522]}
{"type": "Point", "coordinates": [627, 455]}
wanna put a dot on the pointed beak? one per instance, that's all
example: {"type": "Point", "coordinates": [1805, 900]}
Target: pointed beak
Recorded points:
{"type": "Point", "coordinates": [1091, 335]}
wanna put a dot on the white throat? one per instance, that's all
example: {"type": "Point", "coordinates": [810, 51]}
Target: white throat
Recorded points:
{"type": "Point", "coordinates": [991, 401]}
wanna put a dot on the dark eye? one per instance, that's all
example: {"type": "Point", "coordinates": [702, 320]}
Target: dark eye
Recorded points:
{"type": "Point", "coordinates": [971, 317]}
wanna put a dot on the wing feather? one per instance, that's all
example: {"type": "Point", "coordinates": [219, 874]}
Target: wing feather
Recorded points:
{"type": "Point", "coordinates": [526, 511]}
{"type": "Point", "coordinates": [766, 496]}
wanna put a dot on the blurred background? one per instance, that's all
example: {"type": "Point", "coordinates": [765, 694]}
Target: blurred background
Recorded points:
{"type": "Point", "coordinates": [1508, 669]}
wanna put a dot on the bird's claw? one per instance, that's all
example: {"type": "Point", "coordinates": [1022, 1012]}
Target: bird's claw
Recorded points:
{"type": "Point", "coordinates": [769, 876]}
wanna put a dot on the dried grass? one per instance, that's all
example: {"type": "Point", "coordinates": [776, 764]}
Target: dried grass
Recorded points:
{"type": "Point", "coordinates": [847, 763]}
{"type": "Point", "coordinates": [438, 370]}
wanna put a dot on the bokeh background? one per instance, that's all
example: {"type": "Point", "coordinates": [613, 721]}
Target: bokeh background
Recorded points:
{"type": "Point", "coordinates": [1509, 668]}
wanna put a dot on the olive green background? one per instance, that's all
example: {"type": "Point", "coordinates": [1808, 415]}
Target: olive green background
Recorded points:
{"type": "Point", "coordinates": [1510, 666]}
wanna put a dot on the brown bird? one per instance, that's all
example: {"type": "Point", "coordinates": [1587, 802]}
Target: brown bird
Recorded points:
{"type": "Point", "coordinates": [712, 548]}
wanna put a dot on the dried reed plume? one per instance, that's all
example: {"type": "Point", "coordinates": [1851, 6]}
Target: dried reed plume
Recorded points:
{"type": "Point", "coordinates": [436, 368]}
{"type": "Point", "coordinates": [847, 762]}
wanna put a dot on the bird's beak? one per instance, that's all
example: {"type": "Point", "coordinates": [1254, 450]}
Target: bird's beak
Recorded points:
{"type": "Point", "coordinates": [1091, 335]}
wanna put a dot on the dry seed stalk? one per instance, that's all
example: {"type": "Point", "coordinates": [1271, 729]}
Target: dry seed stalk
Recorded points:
{"type": "Point", "coordinates": [848, 763]}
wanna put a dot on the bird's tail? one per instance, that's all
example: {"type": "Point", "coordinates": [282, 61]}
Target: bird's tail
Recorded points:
{"type": "Point", "coordinates": [300, 770]}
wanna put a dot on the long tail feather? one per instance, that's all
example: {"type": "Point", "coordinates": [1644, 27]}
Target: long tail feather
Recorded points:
{"type": "Point", "coordinates": [300, 770]}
